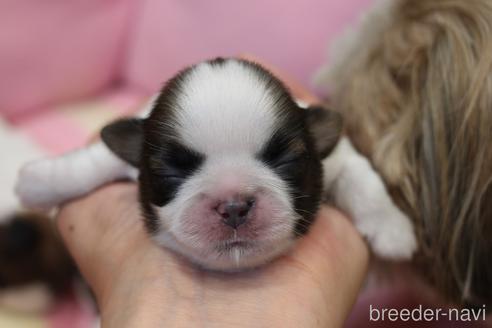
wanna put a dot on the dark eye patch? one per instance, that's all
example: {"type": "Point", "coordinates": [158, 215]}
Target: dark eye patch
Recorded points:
{"type": "Point", "coordinates": [283, 150]}
{"type": "Point", "coordinates": [286, 154]}
{"type": "Point", "coordinates": [169, 167]}
{"type": "Point", "coordinates": [182, 156]}
{"type": "Point", "coordinates": [291, 155]}
{"type": "Point", "coordinates": [175, 160]}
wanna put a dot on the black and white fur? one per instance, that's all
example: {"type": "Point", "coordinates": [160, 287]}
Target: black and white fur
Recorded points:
{"type": "Point", "coordinates": [231, 170]}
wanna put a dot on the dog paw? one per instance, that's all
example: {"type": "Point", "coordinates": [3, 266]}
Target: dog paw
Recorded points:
{"type": "Point", "coordinates": [389, 232]}
{"type": "Point", "coordinates": [34, 185]}
{"type": "Point", "coordinates": [395, 238]}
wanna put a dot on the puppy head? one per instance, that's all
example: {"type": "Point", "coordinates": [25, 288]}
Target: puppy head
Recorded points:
{"type": "Point", "coordinates": [230, 166]}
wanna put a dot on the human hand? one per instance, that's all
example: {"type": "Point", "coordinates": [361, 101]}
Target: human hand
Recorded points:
{"type": "Point", "coordinates": [139, 284]}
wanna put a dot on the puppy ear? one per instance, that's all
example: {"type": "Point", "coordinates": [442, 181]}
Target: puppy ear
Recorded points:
{"type": "Point", "coordinates": [325, 126]}
{"type": "Point", "coordinates": [125, 138]}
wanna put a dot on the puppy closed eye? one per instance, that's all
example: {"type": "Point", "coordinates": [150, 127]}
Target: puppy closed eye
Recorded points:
{"type": "Point", "coordinates": [287, 161]}
{"type": "Point", "coordinates": [280, 152]}
{"type": "Point", "coordinates": [176, 162]}
{"type": "Point", "coordinates": [170, 176]}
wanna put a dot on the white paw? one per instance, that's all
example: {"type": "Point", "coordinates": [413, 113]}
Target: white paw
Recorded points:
{"type": "Point", "coordinates": [34, 186]}
{"type": "Point", "coordinates": [394, 238]}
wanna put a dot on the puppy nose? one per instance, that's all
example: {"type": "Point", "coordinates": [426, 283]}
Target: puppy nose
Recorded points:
{"type": "Point", "coordinates": [235, 212]}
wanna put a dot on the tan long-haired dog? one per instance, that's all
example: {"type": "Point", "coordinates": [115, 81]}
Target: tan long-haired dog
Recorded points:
{"type": "Point", "coordinates": [414, 84]}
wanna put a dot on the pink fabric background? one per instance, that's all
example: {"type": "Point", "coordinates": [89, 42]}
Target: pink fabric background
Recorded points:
{"type": "Point", "coordinates": [57, 50]}
{"type": "Point", "coordinates": [292, 35]}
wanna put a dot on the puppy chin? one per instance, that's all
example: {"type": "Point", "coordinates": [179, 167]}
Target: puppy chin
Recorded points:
{"type": "Point", "coordinates": [240, 259]}
{"type": "Point", "coordinates": [228, 258]}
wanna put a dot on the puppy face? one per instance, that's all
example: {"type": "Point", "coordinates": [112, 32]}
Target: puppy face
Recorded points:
{"type": "Point", "coordinates": [230, 169]}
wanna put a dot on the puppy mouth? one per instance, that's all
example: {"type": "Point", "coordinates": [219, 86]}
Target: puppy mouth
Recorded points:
{"type": "Point", "coordinates": [235, 244]}
{"type": "Point", "coordinates": [232, 254]}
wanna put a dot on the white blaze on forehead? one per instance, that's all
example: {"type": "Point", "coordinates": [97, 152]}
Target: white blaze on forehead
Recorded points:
{"type": "Point", "coordinates": [225, 108]}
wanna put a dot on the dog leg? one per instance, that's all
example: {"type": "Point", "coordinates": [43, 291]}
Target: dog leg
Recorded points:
{"type": "Point", "coordinates": [48, 182]}
{"type": "Point", "coordinates": [359, 191]}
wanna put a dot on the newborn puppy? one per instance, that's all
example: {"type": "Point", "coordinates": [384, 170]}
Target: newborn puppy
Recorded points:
{"type": "Point", "coordinates": [230, 169]}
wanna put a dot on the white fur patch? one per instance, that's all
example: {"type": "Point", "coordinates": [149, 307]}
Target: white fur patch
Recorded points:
{"type": "Point", "coordinates": [48, 182]}
{"type": "Point", "coordinates": [225, 108]}
{"type": "Point", "coordinates": [16, 150]}
{"type": "Point", "coordinates": [358, 190]}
